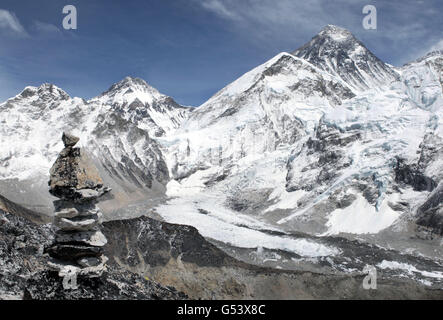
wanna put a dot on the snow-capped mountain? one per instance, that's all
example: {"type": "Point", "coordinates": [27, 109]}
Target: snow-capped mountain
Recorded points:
{"type": "Point", "coordinates": [119, 140]}
{"type": "Point", "coordinates": [275, 104]}
{"type": "Point", "coordinates": [328, 140]}
{"type": "Point", "coordinates": [336, 51]}
{"type": "Point", "coordinates": [423, 80]}
{"type": "Point", "coordinates": [143, 105]}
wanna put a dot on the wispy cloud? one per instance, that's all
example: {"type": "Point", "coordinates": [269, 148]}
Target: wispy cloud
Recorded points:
{"type": "Point", "coordinates": [219, 9]}
{"type": "Point", "coordinates": [286, 16]}
{"type": "Point", "coordinates": [405, 26]}
{"type": "Point", "coordinates": [10, 24]}
{"type": "Point", "coordinates": [46, 29]}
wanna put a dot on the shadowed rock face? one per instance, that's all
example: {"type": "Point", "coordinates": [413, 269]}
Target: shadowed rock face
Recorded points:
{"type": "Point", "coordinates": [179, 256]}
{"type": "Point", "coordinates": [338, 52]}
{"type": "Point", "coordinates": [116, 284]}
{"type": "Point", "coordinates": [430, 214]}
{"type": "Point", "coordinates": [410, 175]}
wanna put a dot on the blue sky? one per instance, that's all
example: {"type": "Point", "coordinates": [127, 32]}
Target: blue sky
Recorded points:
{"type": "Point", "coordinates": [189, 49]}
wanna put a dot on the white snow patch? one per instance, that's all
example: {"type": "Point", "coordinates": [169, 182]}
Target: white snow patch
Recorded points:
{"type": "Point", "coordinates": [234, 230]}
{"type": "Point", "coordinates": [361, 217]}
{"type": "Point", "coordinates": [409, 268]}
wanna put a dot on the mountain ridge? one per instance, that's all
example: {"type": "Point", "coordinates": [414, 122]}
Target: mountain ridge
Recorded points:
{"type": "Point", "coordinates": [328, 146]}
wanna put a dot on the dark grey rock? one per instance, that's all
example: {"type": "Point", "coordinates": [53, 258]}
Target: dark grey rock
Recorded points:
{"type": "Point", "coordinates": [411, 175]}
{"type": "Point", "coordinates": [71, 252]}
{"type": "Point", "coordinates": [430, 214]}
{"type": "Point", "coordinates": [116, 284]}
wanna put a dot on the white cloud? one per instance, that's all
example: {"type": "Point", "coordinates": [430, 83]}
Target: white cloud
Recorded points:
{"type": "Point", "coordinates": [10, 24]}
{"type": "Point", "coordinates": [217, 7]}
{"type": "Point", "coordinates": [288, 24]}
{"type": "Point", "coordinates": [47, 29]}
{"type": "Point", "coordinates": [283, 22]}
{"type": "Point", "coordinates": [421, 52]}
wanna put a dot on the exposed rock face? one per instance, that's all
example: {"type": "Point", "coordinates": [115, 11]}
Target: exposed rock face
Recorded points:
{"type": "Point", "coordinates": [410, 175]}
{"type": "Point", "coordinates": [78, 245]}
{"type": "Point", "coordinates": [430, 214]}
{"type": "Point", "coordinates": [178, 255]}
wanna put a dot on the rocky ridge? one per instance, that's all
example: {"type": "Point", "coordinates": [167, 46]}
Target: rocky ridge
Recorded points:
{"type": "Point", "coordinates": [176, 256]}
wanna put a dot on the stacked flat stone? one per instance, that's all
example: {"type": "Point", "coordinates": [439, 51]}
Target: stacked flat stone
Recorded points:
{"type": "Point", "coordinates": [78, 245]}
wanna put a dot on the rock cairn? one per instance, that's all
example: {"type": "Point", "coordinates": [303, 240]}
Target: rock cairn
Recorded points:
{"type": "Point", "coordinates": [78, 244]}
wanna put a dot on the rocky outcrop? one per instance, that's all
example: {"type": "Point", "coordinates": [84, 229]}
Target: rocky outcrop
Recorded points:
{"type": "Point", "coordinates": [78, 246]}
{"type": "Point", "coordinates": [411, 175]}
{"type": "Point", "coordinates": [24, 273]}
{"type": "Point", "coordinates": [430, 214]}
{"type": "Point", "coordinates": [179, 256]}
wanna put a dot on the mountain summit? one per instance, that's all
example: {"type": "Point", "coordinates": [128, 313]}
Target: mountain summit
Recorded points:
{"type": "Point", "coordinates": [129, 89]}
{"type": "Point", "coordinates": [137, 101]}
{"type": "Point", "coordinates": [338, 52]}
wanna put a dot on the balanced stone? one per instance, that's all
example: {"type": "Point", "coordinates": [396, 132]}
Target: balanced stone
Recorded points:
{"type": "Point", "coordinates": [66, 213]}
{"type": "Point", "coordinates": [72, 172]}
{"type": "Point", "coordinates": [79, 225]}
{"type": "Point", "coordinates": [69, 140]}
{"type": "Point", "coordinates": [72, 252]}
{"type": "Point", "coordinates": [93, 238]}
{"type": "Point", "coordinates": [82, 208]}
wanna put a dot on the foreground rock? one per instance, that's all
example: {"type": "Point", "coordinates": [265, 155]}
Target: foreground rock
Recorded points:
{"type": "Point", "coordinates": [24, 273]}
{"type": "Point", "coordinates": [112, 285]}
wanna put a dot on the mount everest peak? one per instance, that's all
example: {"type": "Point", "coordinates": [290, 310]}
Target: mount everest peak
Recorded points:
{"type": "Point", "coordinates": [337, 51]}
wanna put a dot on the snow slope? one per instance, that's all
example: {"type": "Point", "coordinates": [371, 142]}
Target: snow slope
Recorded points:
{"type": "Point", "coordinates": [315, 145]}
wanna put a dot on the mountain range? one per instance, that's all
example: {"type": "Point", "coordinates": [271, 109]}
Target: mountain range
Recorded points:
{"type": "Point", "coordinates": [325, 141]}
